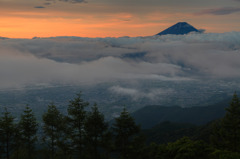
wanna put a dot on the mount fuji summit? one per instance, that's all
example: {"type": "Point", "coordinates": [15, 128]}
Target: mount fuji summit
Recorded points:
{"type": "Point", "coordinates": [179, 29]}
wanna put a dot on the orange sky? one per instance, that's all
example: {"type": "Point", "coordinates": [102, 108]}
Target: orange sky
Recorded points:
{"type": "Point", "coordinates": [22, 19]}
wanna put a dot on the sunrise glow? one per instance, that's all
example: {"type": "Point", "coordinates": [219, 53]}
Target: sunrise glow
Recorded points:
{"type": "Point", "coordinates": [22, 19]}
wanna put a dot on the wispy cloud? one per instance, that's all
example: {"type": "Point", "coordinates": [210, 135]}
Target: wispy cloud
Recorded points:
{"type": "Point", "coordinates": [219, 11]}
{"type": "Point", "coordinates": [39, 7]}
{"type": "Point", "coordinates": [68, 1]}
{"type": "Point", "coordinates": [47, 3]}
{"type": "Point", "coordinates": [136, 94]}
{"type": "Point", "coordinates": [52, 2]}
{"type": "Point", "coordinates": [73, 1]}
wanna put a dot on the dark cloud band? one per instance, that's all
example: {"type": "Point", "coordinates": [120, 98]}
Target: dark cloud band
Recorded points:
{"type": "Point", "coordinates": [219, 11]}
{"type": "Point", "coordinates": [39, 7]}
{"type": "Point", "coordinates": [68, 1]}
{"type": "Point", "coordinates": [73, 1]}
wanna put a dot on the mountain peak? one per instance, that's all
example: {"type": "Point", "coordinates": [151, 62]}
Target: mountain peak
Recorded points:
{"type": "Point", "coordinates": [179, 28]}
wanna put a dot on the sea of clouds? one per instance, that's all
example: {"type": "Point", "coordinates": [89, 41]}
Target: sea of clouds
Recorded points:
{"type": "Point", "coordinates": [90, 61]}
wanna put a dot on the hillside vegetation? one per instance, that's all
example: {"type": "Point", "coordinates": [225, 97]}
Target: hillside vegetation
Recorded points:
{"type": "Point", "coordinates": [85, 134]}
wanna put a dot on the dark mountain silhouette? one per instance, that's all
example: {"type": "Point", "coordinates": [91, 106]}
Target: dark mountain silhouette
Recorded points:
{"type": "Point", "coordinates": [3, 38]}
{"type": "Point", "coordinates": [179, 29]}
{"type": "Point", "coordinates": [169, 131]}
{"type": "Point", "coordinates": [150, 116]}
{"type": "Point", "coordinates": [165, 132]}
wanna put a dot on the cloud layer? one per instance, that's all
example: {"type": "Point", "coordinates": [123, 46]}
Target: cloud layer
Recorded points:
{"type": "Point", "coordinates": [137, 94]}
{"type": "Point", "coordinates": [49, 2]}
{"type": "Point", "coordinates": [220, 11]}
{"type": "Point", "coordinates": [81, 61]}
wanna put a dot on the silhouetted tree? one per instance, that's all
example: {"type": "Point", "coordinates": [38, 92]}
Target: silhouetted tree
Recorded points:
{"type": "Point", "coordinates": [28, 129]}
{"type": "Point", "coordinates": [64, 141]}
{"type": "Point", "coordinates": [124, 130]}
{"type": "Point", "coordinates": [7, 133]}
{"type": "Point", "coordinates": [230, 128]}
{"type": "Point", "coordinates": [96, 129]}
{"type": "Point", "coordinates": [53, 121]}
{"type": "Point", "coordinates": [18, 153]}
{"type": "Point", "coordinates": [76, 117]}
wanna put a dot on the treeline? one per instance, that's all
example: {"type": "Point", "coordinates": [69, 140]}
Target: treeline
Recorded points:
{"type": "Point", "coordinates": [85, 134]}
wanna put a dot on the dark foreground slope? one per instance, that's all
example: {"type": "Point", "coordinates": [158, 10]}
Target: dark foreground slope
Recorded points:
{"type": "Point", "coordinates": [150, 116]}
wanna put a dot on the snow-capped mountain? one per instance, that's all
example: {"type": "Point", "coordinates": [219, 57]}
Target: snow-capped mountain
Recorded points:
{"type": "Point", "coordinates": [179, 29]}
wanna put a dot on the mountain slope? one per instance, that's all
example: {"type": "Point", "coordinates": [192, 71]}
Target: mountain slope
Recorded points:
{"type": "Point", "coordinates": [150, 116]}
{"type": "Point", "coordinates": [179, 29]}
{"type": "Point", "coordinates": [169, 131]}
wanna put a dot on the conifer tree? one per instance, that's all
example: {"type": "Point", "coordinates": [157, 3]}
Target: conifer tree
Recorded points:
{"type": "Point", "coordinates": [7, 131]}
{"type": "Point", "coordinates": [28, 129]}
{"type": "Point", "coordinates": [76, 117]}
{"type": "Point", "coordinates": [64, 141]}
{"type": "Point", "coordinates": [230, 126]}
{"type": "Point", "coordinates": [17, 154]}
{"type": "Point", "coordinates": [96, 129]}
{"type": "Point", "coordinates": [52, 128]}
{"type": "Point", "coordinates": [124, 129]}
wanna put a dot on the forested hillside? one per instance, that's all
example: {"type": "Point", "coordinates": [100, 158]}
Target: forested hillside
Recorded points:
{"type": "Point", "coordinates": [85, 134]}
